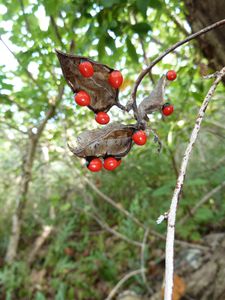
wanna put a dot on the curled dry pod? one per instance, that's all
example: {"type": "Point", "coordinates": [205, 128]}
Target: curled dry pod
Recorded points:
{"type": "Point", "coordinates": [154, 101]}
{"type": "Point", "coordinates": [103, 95]}
{"type": "Point", "coordinates": [114, 140]}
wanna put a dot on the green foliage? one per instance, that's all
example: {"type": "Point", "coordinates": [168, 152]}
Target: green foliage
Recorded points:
{"type": "Point", "coordinates": [79, 259]}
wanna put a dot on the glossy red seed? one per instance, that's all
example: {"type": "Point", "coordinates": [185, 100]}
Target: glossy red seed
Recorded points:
{"type": "Point", "coordinates": [139, 137]}
{"type": "Point", "coordinates": [171, 75]}
{"type": "Point", "coordinates": [110, 163]}
{"type": "Point", "coordinates": [102, 118]}
{"type": "Point", "coordinates": [86, 69]}
{"type": "Point", "coordinates": [167, 109]}
{"type": "Point", "coordinates": [82, 98]}
{"type": "Point", "coordinates": [115, 79]}
{"type": "Point", "coordinates": [95, 165]}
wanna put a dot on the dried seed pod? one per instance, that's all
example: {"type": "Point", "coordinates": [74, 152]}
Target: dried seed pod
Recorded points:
{"type": "Point", "coordinates": [114, 140]}
{"type": "Point", "coordinates": [154, 101]}
{"type": "Point", "coordinates": [103, 95]}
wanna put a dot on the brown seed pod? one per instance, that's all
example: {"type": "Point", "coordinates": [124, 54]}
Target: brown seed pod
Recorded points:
{"type": "Point", "coordinates": [114, 140]}
{"type": "Point", "coordinates": [103, 95]}
{"type": "Point", "coordinates": [154, 101]}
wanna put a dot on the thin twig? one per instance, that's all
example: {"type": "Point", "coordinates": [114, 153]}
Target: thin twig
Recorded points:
{"type": "Point", "coordinates": [201, 202]}
{"type": "Point", "coordinates": [132, 103]}
{"type": "Point", "coordinates": [121, 282]}
{"type": "Point", "coordinates": [56, 30]}
{"type": "Point", "coordinates": [103, 224]}
{"type": "Point", "coordinates": [19, 106]}
{"type": "Point", "coordinates": [143, 275]}
{"type": "Point", "coordinates": [119, 235]}
{"type": "Point", "coordinates": [29, 75]}
{"type": "Point", "coordinates": [12, 126]}
{"type": "Point", "coordinates": [218, 164]}
{"type": "Point", "coordinates": [178, 189]}
{"type": "Point", "coordinates": [177, 22]}
{"type": "Point", "coordinates": [146, 60]}
{"type": "Point", "coordinates": [28, 27]}
{"type": "Point", "coordinates": [214, 123]}
{"type": "Point", "coordinates": [112, 202]}
{"type": "Point", "coordinates": [47, 230]}
{"type": "Point", "coordinates": [25, 16]}
{"type": "Point", "coordinates": [158, 42]}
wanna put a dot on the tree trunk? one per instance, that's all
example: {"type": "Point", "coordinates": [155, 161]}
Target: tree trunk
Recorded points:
{"type": "Point", "coordinates": [26, 178]}
{"type": "Point", "coordinates": [201, 14]}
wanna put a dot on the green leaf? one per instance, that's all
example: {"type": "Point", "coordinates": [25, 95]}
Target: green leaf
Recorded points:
{"type": "Point", "coordinates": [205, 214]}
{"type": "Point", "coordinates": [109, 3]}
{"type": "Point", "coordinates": [131, 50]}
{"type": "Point", "coordinates": [141, 28]}
{"type": "Point", "coordinates": [196, 182]}
{"type": "Point", "coordinates": [155, 4]}
{"type": "Point", "coordinates": [101, 47]}
{"type": "Point", "coordinates": [8, 114]}
{"type": "Point", "coordinates": [110, 42]}
{"type": "Point", "coordinates": [39, 296]}
{"type": "Point", "coordinates": [142, 6]}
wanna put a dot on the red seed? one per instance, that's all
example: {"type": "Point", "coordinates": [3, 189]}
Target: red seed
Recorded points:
{"type": "Point", "coordinates": [110, 163]}
{"type": "Point", "coordinates": [102, 118]}
{"type": "Point", "coordinates": [95, 165]}
{"type": "Point", "coordinates": [115, 79]}
{"type": "Point", "coordinates": [82, 98]}
{"type": "Point", "coordinates": [86, 69]}
{"type": "Point", "coordinates": [139, 137]}
{"type": "Point", "coordinates": [171, 75]}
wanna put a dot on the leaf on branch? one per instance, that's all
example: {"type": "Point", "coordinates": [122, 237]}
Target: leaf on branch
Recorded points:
{"type": "Point", "coordinates": [103, 95]}
{"type": "Point", "coordinates": [131, 50]}
{"type": "Point", "coordinates": [114, 139]}
{"type": "Point", "coordinates": [154, 101]}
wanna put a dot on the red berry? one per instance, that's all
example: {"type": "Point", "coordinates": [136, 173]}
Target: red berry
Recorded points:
{"type": "Point", "coordinates": [82, 98]}
{"type": "Point", "coordinates": [167, 109]}
{"type": "Point", "coordinates": [102, 118]}
{"type": "Point", "coordinates": [171, 75]}
{"type": "Point", "coordinates": [139, 137]}
{"type": "Point", "coordinates": [110, 163]}
{"type": "Point", "coordinates": [86, 69]}
{"type": "Point", "coordinates": [95, 165]}
{"type": "Point", "coordinates": [115, 79]}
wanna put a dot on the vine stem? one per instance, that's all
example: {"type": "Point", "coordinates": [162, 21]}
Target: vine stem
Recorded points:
{"type": "Point", "coordinates": [169, 267]}
{"type": "Point", "coordinates": [132, 102]}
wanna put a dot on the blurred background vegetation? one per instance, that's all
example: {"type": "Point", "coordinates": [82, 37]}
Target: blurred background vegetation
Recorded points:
{"type": "Point", "coordinates": [61, 215]}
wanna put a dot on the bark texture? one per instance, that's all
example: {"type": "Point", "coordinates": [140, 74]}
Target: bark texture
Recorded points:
{"type": "Point", "coordinates": [201, 14]}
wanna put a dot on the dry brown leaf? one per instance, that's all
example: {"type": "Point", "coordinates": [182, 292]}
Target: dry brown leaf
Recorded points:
{"type": "Point", "coordinates": [179, 288]}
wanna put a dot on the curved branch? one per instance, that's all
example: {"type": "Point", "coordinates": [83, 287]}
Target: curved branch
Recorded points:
{"type": "Point", "coordinates": [121, 282]}
{"type": "Point", "coordinates": [143, 275]}
{"type": "Point", "coordinates": [132, 103]}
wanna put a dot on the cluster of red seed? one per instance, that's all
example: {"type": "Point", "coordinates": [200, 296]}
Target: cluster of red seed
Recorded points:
{"type": "Point", "coordinates": [140, 137]}
{"type": "Point", "coordinates": [168, 108]}
{"type": "Point", "coordinates": [115, 80]}
{"type": "Point", "coordinates": [82, 98]}
{"type": "Point", "coordinates": [110, 164]}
